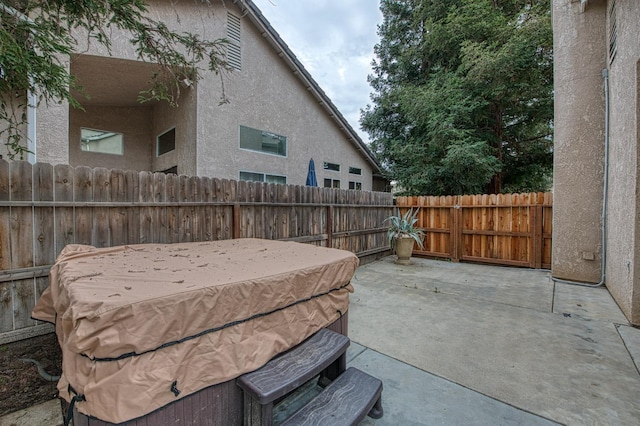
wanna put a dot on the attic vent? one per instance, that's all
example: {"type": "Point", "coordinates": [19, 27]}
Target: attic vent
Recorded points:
{"type": "Point", "coordinates": [613, 32]}
{"type": "Point", "coordinates": [233, 48]}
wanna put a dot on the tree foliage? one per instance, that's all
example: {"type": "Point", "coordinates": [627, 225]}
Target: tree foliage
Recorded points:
{"type": "Point", "coordinates": [38, 36]}
{"type": "Point", "coordinates": [463, 95]}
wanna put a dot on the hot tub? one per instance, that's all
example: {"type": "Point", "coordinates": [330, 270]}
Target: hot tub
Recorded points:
{"type": "Point", "coordinates": [158, 332]}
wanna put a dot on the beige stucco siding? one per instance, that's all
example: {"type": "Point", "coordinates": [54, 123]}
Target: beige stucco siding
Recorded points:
{"type": "Point", "coordinates": [623, 250]}
{"type": "Point", "coordinates": [579, 58]}
{"type": "Point", "coordinates": [52, 129]}
{"type": "Point", "coordinates": [581, 47]}
{"type": "Point", "coordinates": [635, 296]}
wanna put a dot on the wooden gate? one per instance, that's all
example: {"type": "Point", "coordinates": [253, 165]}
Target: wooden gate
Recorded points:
{"type": "Point", "coordinates": [505, 229]}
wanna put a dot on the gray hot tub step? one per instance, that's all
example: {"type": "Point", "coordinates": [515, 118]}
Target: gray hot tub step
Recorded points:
{"type": "Point", "coordinates": [287, 372]}
{"type": "Point", "coordinates": [346, 401]}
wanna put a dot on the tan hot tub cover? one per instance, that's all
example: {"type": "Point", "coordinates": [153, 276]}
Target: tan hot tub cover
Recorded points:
{"type": "Point", "coordinates": [141, 326]}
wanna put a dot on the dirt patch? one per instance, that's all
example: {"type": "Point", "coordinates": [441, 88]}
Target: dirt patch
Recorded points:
{"type": "Point", "coordinates": [21, 385]}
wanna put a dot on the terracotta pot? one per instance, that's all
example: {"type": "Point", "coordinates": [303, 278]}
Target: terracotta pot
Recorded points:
{"type": "Point", "coordinates": [404, 248]}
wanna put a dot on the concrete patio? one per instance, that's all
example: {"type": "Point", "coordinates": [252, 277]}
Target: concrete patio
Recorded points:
{"type": "Point", "coordinates": [459, 343]}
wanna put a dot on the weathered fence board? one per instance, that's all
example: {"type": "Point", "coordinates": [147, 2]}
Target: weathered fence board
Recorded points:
{"type": "Point", "coordinates": [6, 308]}
{"type": "Point", "coordinates": [43, 208]}
{"type": "Point", "coordinates": [506, 229]}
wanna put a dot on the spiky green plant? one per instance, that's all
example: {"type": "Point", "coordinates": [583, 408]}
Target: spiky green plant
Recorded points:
{"type": "Point", "coordinates": [403, 225]}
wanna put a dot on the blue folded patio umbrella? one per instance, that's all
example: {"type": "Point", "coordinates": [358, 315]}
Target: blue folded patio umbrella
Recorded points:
{"type": "Point", "coordinates": [311, 174]}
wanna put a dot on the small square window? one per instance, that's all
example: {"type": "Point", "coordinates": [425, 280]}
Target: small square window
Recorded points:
{"type": "Point", "coordinates": [332, 166]}
{"type": "Point", "coordinates": [166, 142]}
{"type": "Point", "coordinates": [355, 185]}
{"type": "Point", "coordinates": [332, 183]}
{"type": "Point", "coordinates": [101, 141]}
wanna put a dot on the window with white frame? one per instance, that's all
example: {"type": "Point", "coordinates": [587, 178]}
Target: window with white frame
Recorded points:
{"type": "Point", "coordinates": [262, 141]}
{"type": "Point", "coordinates": [355, 171]}
{"type": "Point", "coordinates": [263, 177]}
{"type": "Point", "coordinates": [334, 167]}
{"type": "Point", "coordinates": [166, 142]}
{"type": "Point", "coordinates": [101, 141]}
{"type": "Point", "coordinates": [355, 185]}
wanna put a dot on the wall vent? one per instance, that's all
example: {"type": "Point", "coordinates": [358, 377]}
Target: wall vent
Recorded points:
{"type": "Point", "coordinates": [613, 32]}
{"type": "Point", "coordinates": [234, 58]}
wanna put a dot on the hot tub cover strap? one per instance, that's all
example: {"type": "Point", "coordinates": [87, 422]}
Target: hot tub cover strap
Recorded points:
{"type": "Point", "coordinates": [218, 328]}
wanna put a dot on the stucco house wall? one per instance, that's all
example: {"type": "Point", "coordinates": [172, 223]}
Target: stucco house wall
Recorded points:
{"type": "Point", "coordinates": [579, 58]}
{"type": "Point", "coordinates": [623, 247]}
{"type": "Point", "coordinates": [276, 101]}
{"type": "Point", "coordinates": [183, 118]}
{"type": "Point", "coordinates": [583, 32]}
{"type": "Point", "coordinates": [271, 92]}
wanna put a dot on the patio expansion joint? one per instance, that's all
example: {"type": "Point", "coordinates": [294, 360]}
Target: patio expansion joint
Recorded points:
{"type": "Point", "coordinates": [453, 382]}
{"type": "Point", "coordinates": [624, 343]}
{"type": "Point", "coordinates": [487, 300]}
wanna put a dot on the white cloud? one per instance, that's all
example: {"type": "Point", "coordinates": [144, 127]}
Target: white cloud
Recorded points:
{"type": "Point", "coordinates": [334, 41]}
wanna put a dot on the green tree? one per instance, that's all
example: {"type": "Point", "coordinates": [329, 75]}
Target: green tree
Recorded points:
{"type": "Point", "coordinates": [37, 37]}
{"type": "Point", "coordinates": [463, 95]}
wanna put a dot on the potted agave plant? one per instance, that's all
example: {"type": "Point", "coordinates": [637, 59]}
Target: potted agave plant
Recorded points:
{"type": "Point", "coordinates": [403, 234]}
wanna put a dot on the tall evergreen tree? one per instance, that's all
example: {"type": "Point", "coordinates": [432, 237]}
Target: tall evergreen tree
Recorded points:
{"type": "Point", "coordinates": [463, 95]}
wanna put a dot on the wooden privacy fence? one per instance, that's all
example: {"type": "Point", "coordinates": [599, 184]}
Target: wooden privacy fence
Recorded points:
{"type": "Point", "coordinates": [505, 229]}
{"type": "Point", "coordinates": [43, 208]}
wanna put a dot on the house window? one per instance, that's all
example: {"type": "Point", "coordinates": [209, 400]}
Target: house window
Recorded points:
{"type": "Point", "coordinates": [613, 32]}
{"type": "Point", "coordinates": [355, 170]}
{"type": "Point", "coordinates": [332, 166]}
{"type": "Point", "coordinates": [263, 177]}
{"type": "Point", "coordinates": [355, 185]}
{"type": "Point", "coordinates": [166, 142]}
{"type": "Point", "coordinates": [261, 141]}
{"type": "Point", "coordinates": [234, 58]}
{"type": "Point", "coordinates": [332, 183]}
{"type": "Point", "coordinates": [102, 141]}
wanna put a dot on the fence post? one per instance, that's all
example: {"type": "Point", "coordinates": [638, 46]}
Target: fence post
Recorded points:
{"type": "Point", "coordinates": [330, 226]}
{"type": "Point", "coordinates": [456, 229]}
{"type": "Point", "coordinates": [538, 239]}
{"type": "Point", "coordinates": [453, 232]}
{"type": "Point", "coordinates": [236, 221]}
{"type": "Point", "coordinates": [533, 241]}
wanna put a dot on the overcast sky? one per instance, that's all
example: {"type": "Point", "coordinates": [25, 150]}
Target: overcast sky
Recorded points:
{"type": "Point", "coordinates": [334, 40]}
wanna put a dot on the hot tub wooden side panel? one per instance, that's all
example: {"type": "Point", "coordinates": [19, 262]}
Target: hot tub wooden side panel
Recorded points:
{"type": "Point", "coordinates": [220, 404]}
{"type": "Point", "coordinates": [217, 405]}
